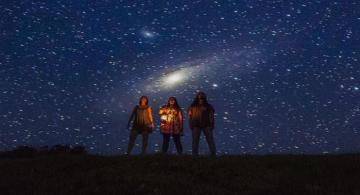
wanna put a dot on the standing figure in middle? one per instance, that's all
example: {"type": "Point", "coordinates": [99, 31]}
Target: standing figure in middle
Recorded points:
{"type": "Point", "coordinates": [171, 124]}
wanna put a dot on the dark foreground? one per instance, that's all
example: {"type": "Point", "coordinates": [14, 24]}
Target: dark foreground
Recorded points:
{"type": "Point", "coordinates": [156, 174]}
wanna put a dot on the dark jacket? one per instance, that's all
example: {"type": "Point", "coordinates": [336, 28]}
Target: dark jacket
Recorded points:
{"type": "Point", "coordinates": [142, 119]}
{"type": "Point", "coordinates": [201, 116]}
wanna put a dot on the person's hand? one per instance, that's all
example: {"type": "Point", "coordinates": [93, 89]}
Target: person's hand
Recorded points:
{"type": "Point", "coordinates": [152, 126]}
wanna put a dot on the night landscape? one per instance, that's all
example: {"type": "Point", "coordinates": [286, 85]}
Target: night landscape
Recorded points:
{"type": "Point", "coordinates": [271, 86]}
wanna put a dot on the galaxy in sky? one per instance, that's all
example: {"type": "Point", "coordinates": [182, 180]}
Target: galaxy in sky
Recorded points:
{"type": "Point", "coordinates": [283, 76]}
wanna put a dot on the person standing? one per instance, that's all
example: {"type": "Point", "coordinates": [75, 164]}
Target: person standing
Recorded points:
{"type": "Point", "coordinates": [201, 119]}
{"type": "Point", "coordinates": [171, 124]}
{"type": "Point", "coordinates": [143, 123]}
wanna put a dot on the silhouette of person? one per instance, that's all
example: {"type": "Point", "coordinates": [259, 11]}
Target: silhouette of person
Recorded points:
{"type": "Point", "coordinates": [201, 118]}
{"type": "Point", "coordinates": [171, 124]}
{"type": "Point", "coordinates": [143, 124]}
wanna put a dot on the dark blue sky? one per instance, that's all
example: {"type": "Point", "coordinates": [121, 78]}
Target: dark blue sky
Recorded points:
{"type": "Point", "coordinates": [283, 76]}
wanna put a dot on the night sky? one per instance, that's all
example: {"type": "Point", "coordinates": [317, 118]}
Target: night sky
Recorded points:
{"type": "Point", "coordinates": [283, 76]}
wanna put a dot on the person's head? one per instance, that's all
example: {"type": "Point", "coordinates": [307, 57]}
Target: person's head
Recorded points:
{"type": "Point", "coordinates": [143, 101]}
{"type": "Point", "coordinates": [200, 99]}
{"type": "Point", "coordinates": [172, 102]}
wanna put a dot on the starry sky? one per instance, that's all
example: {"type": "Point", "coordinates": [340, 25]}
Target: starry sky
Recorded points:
{"type": "Point", "coordinates": [283, 76]}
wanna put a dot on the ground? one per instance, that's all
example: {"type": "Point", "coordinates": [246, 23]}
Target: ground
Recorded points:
{"type": "Point", "coordinates": [159, 174]}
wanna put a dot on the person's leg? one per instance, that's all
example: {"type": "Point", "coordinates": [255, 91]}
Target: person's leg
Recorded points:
{"type": "Point", "coordinates": [177, 142]}
{"type": "Point", "coordinates": [210, 140]}
{"type": "Point", "coordinates": [132, 139]}
{"type": "Point", "coordinates": [166, 139]}
{"type": "Point", "coordinates": [145, 136]}
{"type": "Point", "coordinates": [195, 140]}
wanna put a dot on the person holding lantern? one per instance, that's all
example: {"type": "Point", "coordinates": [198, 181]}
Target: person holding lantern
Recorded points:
{"type": "Point", "coordinates": [171, 124]}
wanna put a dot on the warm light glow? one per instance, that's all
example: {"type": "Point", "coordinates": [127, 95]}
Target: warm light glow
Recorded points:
{"type": "Point", "coordinates": [163, 117]}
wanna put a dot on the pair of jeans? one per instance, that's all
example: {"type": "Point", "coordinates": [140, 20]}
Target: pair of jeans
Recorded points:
{"type": "Point", "coordinates": [132, 139]}
{"type": "Point", "coordinates": [177, 141]}
{"type": "Point", "coordinates": [196, 131]}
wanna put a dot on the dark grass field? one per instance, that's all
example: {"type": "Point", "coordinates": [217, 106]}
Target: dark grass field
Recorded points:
{"type": "Point", "coordinates": [158, 174]}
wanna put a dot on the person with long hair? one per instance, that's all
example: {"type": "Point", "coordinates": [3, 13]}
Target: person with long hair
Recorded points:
{"type": "Point", "coordinates": [171, 124]}
{"type": "Point", "coordinates": [143, 123]}
{"type": "Point", "coordinates": [201, 119]}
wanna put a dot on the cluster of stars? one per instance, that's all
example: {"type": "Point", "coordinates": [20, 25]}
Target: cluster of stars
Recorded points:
{"type": "Point", "coordinates": [282, 75]}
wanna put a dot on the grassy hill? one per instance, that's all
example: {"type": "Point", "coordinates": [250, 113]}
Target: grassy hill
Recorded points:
{"type": "Point", "coordinates": [157, 174]}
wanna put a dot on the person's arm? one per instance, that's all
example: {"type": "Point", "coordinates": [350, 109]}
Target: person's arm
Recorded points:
{"type": "Point", "coordinates": [131, 117]}
{"type": "Point", "coordinates": [181, 127]}
{"type": "Point", "coordinates": [212, 117]}
{"type": "Point", "coordinates": [190, 117]}
{"type": "Point", "coordinates": [151, 117]}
